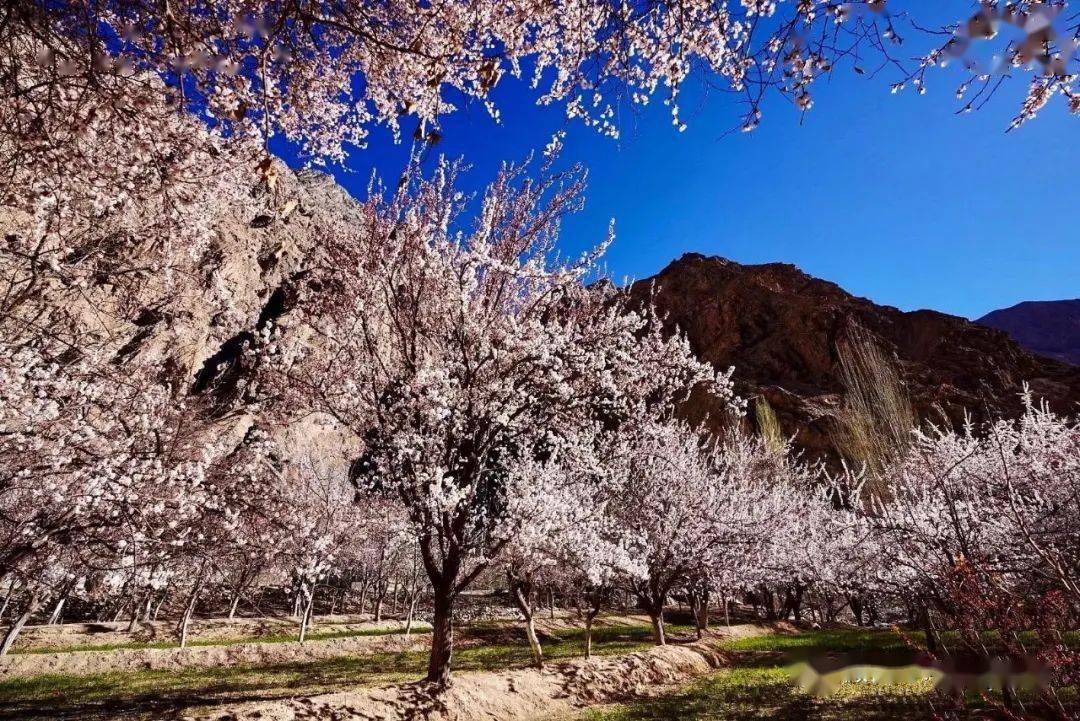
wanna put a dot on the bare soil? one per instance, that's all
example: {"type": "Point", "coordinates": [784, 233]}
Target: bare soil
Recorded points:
{"type": "Point", "coordinates": [70, 636]}
{"type": "Point", "coordinates": [235, 642]}
{"type": "Point", "coordinates": [553, 692]}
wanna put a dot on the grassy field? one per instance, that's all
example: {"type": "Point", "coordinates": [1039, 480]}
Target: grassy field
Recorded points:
{"type": "Point", "coordinates": [760, 685]}
{"type": "Point", "coordinates": [152, 694]}
{"type": "Point", "coordinates": [757, 685]}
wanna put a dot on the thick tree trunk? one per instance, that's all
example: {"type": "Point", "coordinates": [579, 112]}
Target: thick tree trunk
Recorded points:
{"type": "Point", "coordinates": [797, 595]}
{"type": "Point", "coordinates": [378, 608]}
{"type": "Point", "coordinates": [442, 637]}
{"type": "Point", "coordinates": [657, 619]}
{"type": "Point", "coordinates": [857, 609]}
{"type": "Point", "coordinates": [652, 599]}
{"type": "Point", "coordinates": [769, 601]}
{"type": "Point", "coordinates": [18, 624]}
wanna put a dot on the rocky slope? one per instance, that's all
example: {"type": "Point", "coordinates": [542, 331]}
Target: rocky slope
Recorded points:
{"type": "Point", "coordinates": [779, 328]}
{"type": "Point", "coordinates": [1049, 328]}
{"type": "Point", "coordinates": [776, 325]}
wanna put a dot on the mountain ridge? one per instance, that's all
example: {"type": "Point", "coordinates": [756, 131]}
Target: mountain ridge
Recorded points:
{"type": "Point", "coordinates": [1047, 327]}
{"type": "Point", "coordinates": [779, 328]}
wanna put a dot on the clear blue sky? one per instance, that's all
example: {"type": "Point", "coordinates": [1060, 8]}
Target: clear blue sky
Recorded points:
{"type": "Point", "coordinates": [894, 197]}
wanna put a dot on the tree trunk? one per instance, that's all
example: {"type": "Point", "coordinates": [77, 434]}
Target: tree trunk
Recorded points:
{"type": "Point", "coordinates": [136, 610]}
{"type": "Point", "coordinates": [699, 604]}
{"type": "Point", "coordinates": [657, 619]}
{"type": "Point", "coordinates": [233, 605]}
{"type": "Point", "coordinates": [652, 599]}
{"type": "Point", "coordinates": [19, 623]}
{"type": "Point", "coordinates": [305, 620]}
{"type": "Point", "coordinates": [160, 603]}
{"type": "Point", "coordinates": [378, 607]}
{"type": "Point", "coordinates": [534, 642]}
{"type": "Point", "coordinates": [551, 602]}
{"type": "Point", "coordinates": [857, 609]}
{"type": "Point", "coordinates": [797, 595]}
{"type": "Point", "coordinates": [57, 611]}
{"type": "Point", "coordinates": [189, 610]}
{"type": "Point", "coordinates": [524, 597]}
{"type": "Point", "coordinates": [7, 600]}
{"type": "Point", "coordinates": [932, 642]}
{"type": "Point", "coordinates": [412, 612]}
{"type": "Point", "coordinates": [442, 636]}
{"type": "Point", "coordinates": [588, 636]}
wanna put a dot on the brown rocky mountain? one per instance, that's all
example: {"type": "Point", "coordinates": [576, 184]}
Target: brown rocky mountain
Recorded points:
{"type": "Point", "coordinates": [775, 324]}
{"type": "Point", "coordinates": [779, 328]}
{"type": "Point", "coordinates": [1050, 328]}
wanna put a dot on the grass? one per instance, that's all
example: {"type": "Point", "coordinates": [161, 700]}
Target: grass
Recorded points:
{"type": "Point", "coordinates": [767, 692]}
{"type": "Point", "coordinates": [761, 684]}
{"type": "Point", "coordinates": [758, 685]}
{"type": "Point", "coordinates": [149, 694]}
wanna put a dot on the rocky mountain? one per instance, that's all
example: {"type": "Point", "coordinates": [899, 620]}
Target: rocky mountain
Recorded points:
{"type": "Point", "coordinates": [779, 328]}
{"type": "Point", "coordinates": [1050, 328]}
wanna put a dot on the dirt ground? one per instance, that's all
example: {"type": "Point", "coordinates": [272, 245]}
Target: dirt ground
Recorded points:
{"type": "Point", "coordinates": [73, 635]}
{"type": "Point", "coordinates": [556, 691]}
{"type": "Point", "coordinates": [231, 651]}
{"type": "Point", "coordinates": [227, 653]}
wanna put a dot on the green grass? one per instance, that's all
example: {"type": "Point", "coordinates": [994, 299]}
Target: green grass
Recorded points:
{"type": "Point", "coordinates": [149, 694]}
{"type": "Point", "coordinates": [767, 692]}
{"type": "Point", "coordinates": [760, 685]}
{"type": "Point", "coordinates": [814, 642]}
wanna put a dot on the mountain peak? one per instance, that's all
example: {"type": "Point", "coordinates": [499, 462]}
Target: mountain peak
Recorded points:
{"type": "Point", "coordinates": [779, 326]}
{"type": "Point", "coordinates": [1048, 327]}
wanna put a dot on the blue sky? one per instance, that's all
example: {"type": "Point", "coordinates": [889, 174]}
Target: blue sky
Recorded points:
{"type": "Point", "coordinates": [894, 197]}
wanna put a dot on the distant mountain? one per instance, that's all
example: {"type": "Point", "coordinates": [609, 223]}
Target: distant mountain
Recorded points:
{"type": "Point", "coordinates": [1050, 328]}
{"type": "Point", "coordinates": [779, 328]}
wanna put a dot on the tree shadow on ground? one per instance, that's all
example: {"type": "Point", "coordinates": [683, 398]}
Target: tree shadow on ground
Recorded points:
{"type": "Point", "coordinates": [766, 693]}
{"type": "Point", "coordinates": [166, 694]}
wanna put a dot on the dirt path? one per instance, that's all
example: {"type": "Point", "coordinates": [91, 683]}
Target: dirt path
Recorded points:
{"type": "Point", "coordinates": [516, 695]}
